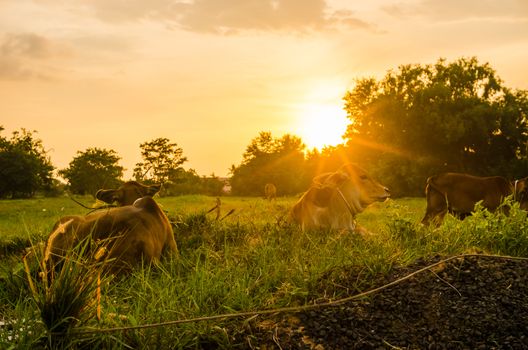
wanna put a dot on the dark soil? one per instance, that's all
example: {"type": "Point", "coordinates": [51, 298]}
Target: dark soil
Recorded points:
{"type": "Point", "coordinates": [467, 303]}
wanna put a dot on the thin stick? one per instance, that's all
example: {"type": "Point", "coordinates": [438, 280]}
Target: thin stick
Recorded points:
{"type": "Point", "coordinates": [228, 213]}
{"type": "Point", "coordinates": [89, 208]}
{"type": "Point", "coordinates": [76, 201]}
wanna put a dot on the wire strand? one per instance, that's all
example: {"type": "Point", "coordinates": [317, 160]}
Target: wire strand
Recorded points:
{"type": "Point", "coordinates": [87, 331]}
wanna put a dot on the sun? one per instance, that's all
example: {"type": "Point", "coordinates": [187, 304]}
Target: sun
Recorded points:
{"type": "Point", "coordinates": [322, 125]}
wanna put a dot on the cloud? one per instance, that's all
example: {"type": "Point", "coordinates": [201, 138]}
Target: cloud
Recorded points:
{"type": "Point", "coordinates": [455, 10]}
{"type": "Point", "coordinates": [25, 45]}
{"type": "Point", "coordinates": [26, 55]}
{"type": "Point", "coordinates": [12, 69]}
{"type": "Point", "coordinates": [232, 16]}
{"type": "Point", "coordinates": [132, 10]}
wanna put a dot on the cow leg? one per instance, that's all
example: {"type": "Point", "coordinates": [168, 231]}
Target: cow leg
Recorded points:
{"type": "Point", "coordinates": [364, 232]}
{"type": "Point", "coordinates": [436, 207]}
{"type": "Point", "coordinates": [170, 245]}
{"type": "Point", "coordinates": [459, 215]}
{"type": "Point", "coordinates": [439, 218]}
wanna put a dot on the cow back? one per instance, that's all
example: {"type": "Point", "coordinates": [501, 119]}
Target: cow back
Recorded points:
{"type": "Point", "coordinates": [462, 191]}
{"type": "Point", "coordinates": [130, 233]}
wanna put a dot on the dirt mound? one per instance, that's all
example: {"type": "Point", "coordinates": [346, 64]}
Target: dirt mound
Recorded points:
{"type": "Point", "coordinates": [467, 303]}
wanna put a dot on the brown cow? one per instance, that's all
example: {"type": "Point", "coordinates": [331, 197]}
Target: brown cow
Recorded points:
{"type": "Point", "coordinates": [130, 234]}
{"type": "Point", "coordinates": [334, 199]}
{"type": "Point", "coordinates": [127, 193]}
{"type": "Point", "coordinates": [458, 193]}
{"type": "Point", "coordinates": [270, 191]}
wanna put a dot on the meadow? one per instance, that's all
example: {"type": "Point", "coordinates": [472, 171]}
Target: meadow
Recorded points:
{"type": "Point", "coordinates": [248, 261]}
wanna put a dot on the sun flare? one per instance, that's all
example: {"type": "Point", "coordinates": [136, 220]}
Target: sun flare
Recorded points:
{"type": "Point", "coordinates": [322, 125]}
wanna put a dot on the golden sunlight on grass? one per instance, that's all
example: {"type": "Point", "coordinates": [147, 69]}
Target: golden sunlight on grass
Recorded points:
{"type": "Point", "coordinates": [322, 125]}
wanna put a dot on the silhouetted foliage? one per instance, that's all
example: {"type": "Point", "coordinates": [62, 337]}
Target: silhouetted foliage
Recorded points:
{"type": "Point", "coordinates": [92, 170]}
{"type": "Point", "coordinates": [189, 182]}
{"type": "Point", "coordinates": [329, 159]}
{"type": "Point", "coordinates": [271, 160]}
{"type": "Point", "coordinates": [424, 119]}
{"type": "Point", "coordinates": [25, 167]}
{"type": "Point", "coordinates": [161, 161]}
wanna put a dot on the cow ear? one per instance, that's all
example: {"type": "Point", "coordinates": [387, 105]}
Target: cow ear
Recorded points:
{"type": "Point", "coordinates": [319, 180]}
{"type": "Point", "coordinates": [339, 177]}
{"type": "Point", "coordinates": [153, 189]}
{"type": "Point", "coordinates": [330, 179]}
{"type": "Point", "coordinates": [107, 196]}
{"type": "Point", "coordinates": [322, 196]}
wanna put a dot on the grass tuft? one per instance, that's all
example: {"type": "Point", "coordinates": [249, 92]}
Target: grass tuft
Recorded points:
{"type": "Point", "coordinates": [66, 298]}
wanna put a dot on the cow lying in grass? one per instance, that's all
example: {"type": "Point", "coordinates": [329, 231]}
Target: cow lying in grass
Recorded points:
{"type": "Point", "coordinates": [458, 193]}
{"type": "Point", "coordinates": [334, 199]}
{"type": "Point", "coordinates": [126, 235]}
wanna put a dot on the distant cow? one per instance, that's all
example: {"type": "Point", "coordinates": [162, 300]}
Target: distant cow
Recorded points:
{"type": "Point", "coordinates": [270, 191]}
{"type": "Point", "coordinates": [458, 193]}
{"type": "Point", "coordinates": [334, 199]}
{"type": "Point", "coordinates": [129, 234]}
{"type": "Point", "coordinates": [127, 193]}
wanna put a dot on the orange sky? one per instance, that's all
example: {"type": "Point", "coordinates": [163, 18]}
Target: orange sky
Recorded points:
{"type": "Point", "coordinates": [211, 74]}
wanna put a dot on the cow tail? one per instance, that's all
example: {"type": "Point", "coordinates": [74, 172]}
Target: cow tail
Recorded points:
{"type": "Point", "coordinates": [431, 183]}
{"type": "Point", "coordinates": [428, 183]}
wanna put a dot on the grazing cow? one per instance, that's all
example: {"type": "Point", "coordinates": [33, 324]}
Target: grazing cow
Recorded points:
{"type": "Point", "coordinates": [127, 193]}
{"type": "Point", "coordinates": [129, 234]}
{"type": "Point", "coordinates": [270, 191]}
{"type": "Point", "coordinates": [334, 199]}
{"type": "Point", "coordinates": [458, 193]}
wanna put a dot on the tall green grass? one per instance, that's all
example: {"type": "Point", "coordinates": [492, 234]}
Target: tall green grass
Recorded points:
{"type": "Point", "coordinates": [23, 221]}
{"type": "Point", "coordinates": [252, 260]}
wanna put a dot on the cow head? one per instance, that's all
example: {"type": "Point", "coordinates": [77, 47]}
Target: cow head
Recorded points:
{"type": "Point", "coordinates": [127, 193]}
{"type": "Point", "coordinates": [350, 184]}
{"type": "Point", "coordinates": [521, 192]}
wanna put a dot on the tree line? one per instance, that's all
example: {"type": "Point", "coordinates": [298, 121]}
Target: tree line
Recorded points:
{"type": "Point", "coordinates": [416, 121]}
{"type": "Point", "coordinates": [25, 169]}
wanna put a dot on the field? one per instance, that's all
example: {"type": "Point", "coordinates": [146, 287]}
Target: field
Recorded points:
{"type": "Point", "coordinates": [249, 261]}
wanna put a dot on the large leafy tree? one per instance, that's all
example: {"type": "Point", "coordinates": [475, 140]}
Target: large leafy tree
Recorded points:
{"type": "Point", "coordinates": [25, 167]}
{"type": "Point", "coordinates": [93, 169]}
{"type": "Point", "coordinates": [162, 161]}
{"type": "Point", "coordinates": [275, 160]}
{"type": "Point", "coordinates": [450, 116]}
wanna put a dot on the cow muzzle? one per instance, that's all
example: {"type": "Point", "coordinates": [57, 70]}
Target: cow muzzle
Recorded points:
{"type": "Point", "coordinates": [384, 196]}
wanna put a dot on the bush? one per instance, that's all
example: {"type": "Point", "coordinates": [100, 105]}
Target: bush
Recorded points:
{"type": "Point", "coordinates": [505, 234]}
{"type": "Point", "coordinates": [24, 166]}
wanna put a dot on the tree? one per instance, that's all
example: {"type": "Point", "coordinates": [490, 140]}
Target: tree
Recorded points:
{"type": "Point", "coordinates": [162, 161]}
{"type": "Point", "coordinates": [189, 182]}
{"type": "Point", "coordinates": [267, 159]}
{"type": "Point", "coordinates": [25, 167]}
{"type": "Point", "coordinates": [92, 170]}
{"type": "Point", "coordinates": [329, 159]}
{"type": "Point", "coordinates": [421, 120]}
